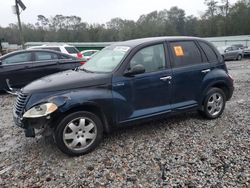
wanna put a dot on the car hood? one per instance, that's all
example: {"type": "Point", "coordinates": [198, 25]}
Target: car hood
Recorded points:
{"type": "Point", "coordinates": [67, 80]}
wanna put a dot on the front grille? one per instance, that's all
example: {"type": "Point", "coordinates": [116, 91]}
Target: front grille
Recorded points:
{"type": "Point", "coordinates": [20, 103]}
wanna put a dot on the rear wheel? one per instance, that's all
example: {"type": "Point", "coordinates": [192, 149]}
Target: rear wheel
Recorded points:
{"type": "Point", "coordinates": [239, 57]}
{"type": "Point", "coordinates": [78, 133]}
{"type": "Point", "coordinates": [214, 103]}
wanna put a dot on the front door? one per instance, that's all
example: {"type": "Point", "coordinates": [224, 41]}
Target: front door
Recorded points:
{"type": "Point", "coordinates": [145, 94]}
{"type": "Point", "coordinates": [17, 69]}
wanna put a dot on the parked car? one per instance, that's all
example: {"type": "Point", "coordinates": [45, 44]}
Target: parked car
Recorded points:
{"type": "Point", "coordinates": [125, 83]}
{"type": "Point", "coordinates": [241, 46]}
{"type": "Point", "coordinates": [231, 53]}
{"type": "Point", "coordinates": [22, 67]}
{"type": "Point", "coordinates": [65, 48]}
{"type": "Point", "coordinates": [87, 54]}
{"type": "Point", "coordinates": [246, 51]}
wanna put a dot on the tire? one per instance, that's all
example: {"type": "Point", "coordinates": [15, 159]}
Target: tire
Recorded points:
{"type": "Point", "coordinates": [239, 57]}
{"type": "Point", "coordinates": [214, 103]}
{"type": "Point", "coordinates": [78, 133]}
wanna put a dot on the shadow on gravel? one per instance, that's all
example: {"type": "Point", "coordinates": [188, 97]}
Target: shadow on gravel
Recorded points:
{"type": "Point", "coordinates": [47, 147]}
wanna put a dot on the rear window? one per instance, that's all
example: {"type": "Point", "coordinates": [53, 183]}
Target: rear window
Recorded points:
{"type": "Point", "coordinates": [71, 50]}
{"type": "Point", "coordinates": [211, 55]}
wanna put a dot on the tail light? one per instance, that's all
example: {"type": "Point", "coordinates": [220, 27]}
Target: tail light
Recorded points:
{"type": "Point", "coordinates": [82, 62]}
{"type": "Point", "coordinates": [79, 55]}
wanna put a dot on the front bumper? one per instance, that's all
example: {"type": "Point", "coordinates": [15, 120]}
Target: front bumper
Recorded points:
{"type": "Point", "coordinates": [30, 125]}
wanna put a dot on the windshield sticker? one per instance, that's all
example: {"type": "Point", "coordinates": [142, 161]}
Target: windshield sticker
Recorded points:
{"type": "Point", "coordinates": [178, 51]}
{"type": "Point", "coordinates": [121, 48]}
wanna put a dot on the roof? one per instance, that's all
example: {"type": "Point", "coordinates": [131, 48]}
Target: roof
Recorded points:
{"type": "Point", "coordinates": [76, 44]}
{"type": "Point", "coordinates": [136, 42]}
{"type": "Point", "coordinates": [33, 50]}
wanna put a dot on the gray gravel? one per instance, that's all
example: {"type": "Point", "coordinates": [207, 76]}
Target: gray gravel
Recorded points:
{"type": "Point", "coordinates": [181, 151]}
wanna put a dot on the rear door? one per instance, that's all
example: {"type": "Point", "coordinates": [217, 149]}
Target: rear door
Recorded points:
{"type": "Point", "coordinates": [189, 68]}
{"type": "Point", "coordinates": [45, 63]}
{"type": "Point", "coordinates": [17, 68]}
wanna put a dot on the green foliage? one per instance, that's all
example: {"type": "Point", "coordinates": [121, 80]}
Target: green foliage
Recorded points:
{"type": "Point", "coordinates": [220, 19]}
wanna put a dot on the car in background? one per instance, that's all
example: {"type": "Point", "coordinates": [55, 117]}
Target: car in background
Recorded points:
{"type": "Point", "coordinates": [231, 52]}
{"type": "Point", "coordinates": [247, 51]}
{"type": "Point", "coordinates": [241, 46]}
{"type": "Point", "coordinates": [87, 54]}
{"type": "Point", "coordinates": [21, 67]}
{"type": "Point", "coordinates": [65, 48]}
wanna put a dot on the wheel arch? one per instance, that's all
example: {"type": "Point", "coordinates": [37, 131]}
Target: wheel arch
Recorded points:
{"type": "Point", "coordinates": [89, 107]}
{"type": "Point", "coordinates": [221, 85]}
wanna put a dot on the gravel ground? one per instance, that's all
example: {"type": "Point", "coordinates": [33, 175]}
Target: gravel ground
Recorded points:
{"type": "Point", "coordinates": [181, 151]}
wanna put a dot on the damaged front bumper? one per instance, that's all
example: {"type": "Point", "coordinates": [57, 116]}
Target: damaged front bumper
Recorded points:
{"type": "Point", "coordinates": [34, 127]}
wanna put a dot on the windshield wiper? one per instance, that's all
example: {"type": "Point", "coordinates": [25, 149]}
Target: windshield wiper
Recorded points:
{"type": "Point", "coordinates": [85, 70]}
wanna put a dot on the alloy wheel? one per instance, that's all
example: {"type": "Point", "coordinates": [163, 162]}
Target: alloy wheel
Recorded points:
{"type": "Point", "coordinates": [79, 133]}
{"type": "Point", "coordinates": [215, 104]}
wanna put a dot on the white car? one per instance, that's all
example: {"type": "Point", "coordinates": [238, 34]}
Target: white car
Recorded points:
{"type": "Point", "coordinates": [87, 54]}
{"type": "Point", "coordinates": [65, 48]}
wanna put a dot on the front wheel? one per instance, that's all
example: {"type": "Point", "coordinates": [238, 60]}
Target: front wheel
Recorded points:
{"type": "Point", "coordinates": [214, 103]}
{"type": "Point", "coordinates": [78, 133]}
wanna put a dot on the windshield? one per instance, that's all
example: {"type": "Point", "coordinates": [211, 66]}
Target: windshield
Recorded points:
{"type": "Point", "coordinates": [106, 60]}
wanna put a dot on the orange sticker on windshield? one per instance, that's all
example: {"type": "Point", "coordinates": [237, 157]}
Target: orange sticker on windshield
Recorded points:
{"type": "Point", "coordinates": [178, 51]}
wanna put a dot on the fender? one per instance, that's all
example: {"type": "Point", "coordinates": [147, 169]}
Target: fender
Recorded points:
{"type": "Point", "coordinates": [215, 77]}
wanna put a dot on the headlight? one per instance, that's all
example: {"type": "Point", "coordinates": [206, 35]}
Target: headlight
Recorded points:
{"type": "Point", "coordinates": [40, 110]}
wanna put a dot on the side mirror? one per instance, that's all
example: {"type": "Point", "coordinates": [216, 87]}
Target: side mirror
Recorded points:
{"type": "Point", "coordinates": [137, 69]}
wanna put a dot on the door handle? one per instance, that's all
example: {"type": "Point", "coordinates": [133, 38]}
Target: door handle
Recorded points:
{"type": "Point", "coordinates": [166, 78]}
{"type": "Point", "coordinates": [206, 71]}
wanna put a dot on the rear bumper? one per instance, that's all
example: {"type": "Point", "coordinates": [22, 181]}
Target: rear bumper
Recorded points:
{"type": "Point", "coordinates": [247, 53]}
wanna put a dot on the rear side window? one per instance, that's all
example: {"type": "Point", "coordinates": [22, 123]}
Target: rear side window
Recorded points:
{"type": "Point", "coordinates": [43, 56]}
{"type": "Point", "coordinates": [211, 55]}
{"type": "Point", "coordinates": [66, 57]}
{"type": "Point", "coordinates": [185, 53]}
{"type": "Point", "coordinates": [71, 50]}
{"type": "Point", "coordinates": [235, 48]}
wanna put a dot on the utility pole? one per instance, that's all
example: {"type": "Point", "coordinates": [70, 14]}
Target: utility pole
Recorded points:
{"type": "Point", "coordinates": [17, 4]}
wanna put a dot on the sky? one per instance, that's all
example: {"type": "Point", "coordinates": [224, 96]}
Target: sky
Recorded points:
{"type": "Point", "coordinates": [95, 11]}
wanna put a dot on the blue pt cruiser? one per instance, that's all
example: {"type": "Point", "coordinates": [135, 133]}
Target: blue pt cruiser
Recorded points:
{"type": "Point", "coordinates": [125, 83]}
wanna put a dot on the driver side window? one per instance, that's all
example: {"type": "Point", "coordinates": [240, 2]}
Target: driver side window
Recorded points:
{"type": "Point", "coordinates": [18, 58]}
{"type": "Point", "coordinates": [152, 58]}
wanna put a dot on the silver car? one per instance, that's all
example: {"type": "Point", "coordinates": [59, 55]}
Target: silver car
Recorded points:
{"type": "Point", "coordinates": [231, 52]}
